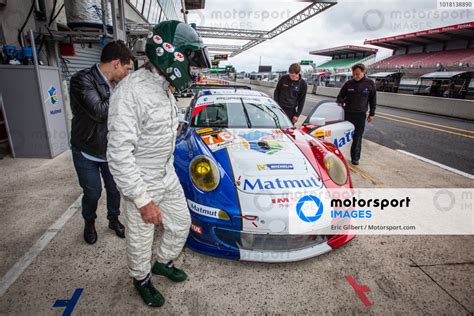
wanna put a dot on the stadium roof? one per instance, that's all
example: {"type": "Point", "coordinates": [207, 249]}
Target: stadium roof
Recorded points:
{"type": "Point", "coordinates": [444, 74]}
{"type": "Point", "coordinates": [464, 31]}
{"type": "Point", "coordinates": [344, 51]}
{"type": "Point", "coordinates": [382, 74]}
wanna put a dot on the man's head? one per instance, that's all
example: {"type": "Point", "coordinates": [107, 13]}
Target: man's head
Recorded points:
{"type": "Point", "coordinates": [294, 71]}
{"type": "Point", "coordinates": [117, 60]}
{"type": "Point", "coordinates": [173, 47]}
{"type": "Point", "coordinates": [358, 71]}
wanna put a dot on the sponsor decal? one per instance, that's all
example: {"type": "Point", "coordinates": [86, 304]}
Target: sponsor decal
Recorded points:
{"type": "Point", "coordinates": [275, 166]}
{"type": "Point", "coordinates": [217, 138]}
{"type": "Point", "coordinates": [309, 208]}
{"type": "Point", "coordinates": [346, 139]}
{"type": "Point", "coordinates": [159, 51]}
{"type": "Point", "coordinates": [204, 131]}
{"type": "Point", "coordinates": [203, 210]}
{"type": "Point", "coordinates": [260, 185]}
{"type": "Point", "coordinates": [177, 72]}
{"type": "Point", "coordinates": [168, 47]}
{"type": "Point", "coordinates": [254, 135]}
{"type": "Point", "coordinates": [157, 39]}
{"type": "Point", "coordinates": [265, 147]}
{"type": "Point", "coordinates": [197, 229]}
{"type": "Point", "coordinates": [53, 95]}
{"type": "Point", "coordinates": [179, 56]}
{"type": "Point", "coordinates": [322, 133]}
{"type": "Point", "coordinates": [53, 99]}
{"type": "Point", "coordinates": [150, 34]}
{"type": "Point", "coordinates": [262, 142]}
{"type": "Point", "coordinates": [173, 77]}
{"type": "Point", "coordinates": [169, 70]}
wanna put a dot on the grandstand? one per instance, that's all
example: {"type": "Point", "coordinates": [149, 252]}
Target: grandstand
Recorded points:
{"type": "Point", "coordinates": [445, 48]}
{"type": "Point", "coordinates": [449, 48]}
{"type": "Point", "coordinates": [343, 57]}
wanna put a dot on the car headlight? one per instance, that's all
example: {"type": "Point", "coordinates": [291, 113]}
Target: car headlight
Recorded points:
{"type": "Point", "coordinates": [204, 173]}
{"type": "Point", "coordinates": [336, 169]}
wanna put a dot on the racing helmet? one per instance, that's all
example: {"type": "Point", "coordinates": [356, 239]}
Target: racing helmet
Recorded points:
{"type": "Point", "coordinates": [174, 47]}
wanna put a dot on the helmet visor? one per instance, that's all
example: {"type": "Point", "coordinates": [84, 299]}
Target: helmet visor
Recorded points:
{"type": "Point", "coordinates": [199, 58]}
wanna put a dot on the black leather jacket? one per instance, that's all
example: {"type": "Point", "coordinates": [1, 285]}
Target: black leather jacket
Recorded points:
{"type": "Point", "coordinates": [89, 95]}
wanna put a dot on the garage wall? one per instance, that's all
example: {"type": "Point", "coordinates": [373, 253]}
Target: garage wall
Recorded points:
{"type": "Point", "coordinates": [85, 57]}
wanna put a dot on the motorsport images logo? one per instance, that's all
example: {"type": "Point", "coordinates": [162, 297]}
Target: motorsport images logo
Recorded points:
{"type": "Point", "coordinates": [309, 208]}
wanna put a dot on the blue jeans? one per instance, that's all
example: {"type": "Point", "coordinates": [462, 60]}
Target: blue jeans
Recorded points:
{"type": "Point", "coordinates": [358, 119]}
{"type": "Point", "coordinates": [89, 173]}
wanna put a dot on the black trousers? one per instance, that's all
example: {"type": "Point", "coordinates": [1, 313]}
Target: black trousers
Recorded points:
{"type": "Point", "coordinates": [290, 112]}
{"type": "Point", "coordinates": [358, 119]}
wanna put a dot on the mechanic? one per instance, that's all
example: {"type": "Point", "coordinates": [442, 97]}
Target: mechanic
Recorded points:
{"type": "Point", "coordinates": [356, 96]}
{"type": "Point", "coordinates": [142, 133]}
{"type": "Point", "coordinates": [290, 93]}
{"type": "Point", "coordinates": [89, 94]}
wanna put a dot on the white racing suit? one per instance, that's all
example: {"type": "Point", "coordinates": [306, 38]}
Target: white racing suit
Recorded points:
{"type": "Point", "coordinates": [142, 126]}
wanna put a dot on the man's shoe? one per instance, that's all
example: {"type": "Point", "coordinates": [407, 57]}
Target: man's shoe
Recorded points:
{"type": "Point", "coordinates": [115, 225]}
{"type": "Point", "coordinates": [355, 162]}
{"type": "Point", "coordinates": [170, 271]}
{"type": "Point", "coordinates": [148, 293]}
{"type": "Point", "coordinates": [90, 234]}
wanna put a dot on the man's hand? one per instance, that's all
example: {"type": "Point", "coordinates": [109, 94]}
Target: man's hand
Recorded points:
{"type": "Point", "coordinates": [294, 119]}
{"type": "Point", "coordinates": [370, 118]}
{"type": "Point", "coordinates": [151, 214]}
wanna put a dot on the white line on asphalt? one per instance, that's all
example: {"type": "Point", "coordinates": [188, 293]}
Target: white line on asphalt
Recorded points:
{"type": "Point", "coordinates": [10, 277]}
{"type": "Point", "coordinates": [456, 171]}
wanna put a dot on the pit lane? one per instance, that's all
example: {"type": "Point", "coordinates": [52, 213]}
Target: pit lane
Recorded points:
{"type": "Point", "coordinates": [403, 274]}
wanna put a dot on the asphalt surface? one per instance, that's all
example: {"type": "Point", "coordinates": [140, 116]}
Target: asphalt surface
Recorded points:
{"type": "Point", "coordinates": [445, 140]}
{"type": "Point", "coordinates": [45, 261]}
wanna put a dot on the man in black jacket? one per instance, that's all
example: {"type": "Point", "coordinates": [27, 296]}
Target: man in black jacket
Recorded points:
{"type": "Point", "coordinates": [90, 90]}
{"type": "Point", "coordinates": [290, 93]}
{"type": "Point", "coordinates": [356, 96]}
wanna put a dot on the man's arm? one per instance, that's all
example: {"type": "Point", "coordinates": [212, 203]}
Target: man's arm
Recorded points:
{"type": "Point", "coordinates": [276, 93]}
{"type": "Point", "coordinates": [123, 124]}
{"type": "Point", "coordinates": [341, 97]}
{"type": "Point", "coordinates": [301, 99]}
{"type": "Point", "coordinates": [88, 98]}
{"type": "Point", "coordinates": [372, 100]}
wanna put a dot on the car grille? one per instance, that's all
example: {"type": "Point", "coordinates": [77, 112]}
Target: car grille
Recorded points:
{"type": "Point", "coordinates": [268, 242]}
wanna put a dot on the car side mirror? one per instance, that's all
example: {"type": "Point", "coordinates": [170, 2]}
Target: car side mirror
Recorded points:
{"type": "Point", "coordinates": [318, 121]}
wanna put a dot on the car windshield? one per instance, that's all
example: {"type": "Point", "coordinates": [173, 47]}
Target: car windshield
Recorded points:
{"type": "Point", "coordinates": [240, 113]}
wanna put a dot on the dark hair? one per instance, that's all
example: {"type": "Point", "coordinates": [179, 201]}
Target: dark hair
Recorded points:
{"type": "Point", "coordinates": [116, 50]}
{"type": "Point", "coordinates": [294, 69]}
{"type": "Point", "coordinates": [360, 66]}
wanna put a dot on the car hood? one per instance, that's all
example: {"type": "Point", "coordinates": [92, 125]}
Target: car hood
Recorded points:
{"type": "Point", "coordinates": [262, 160]}
{"type": "Point", "coordinates": [271, 175]}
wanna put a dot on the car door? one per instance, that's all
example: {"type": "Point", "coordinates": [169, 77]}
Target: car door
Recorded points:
{"type": "Point", "coordinates": [326, 121]}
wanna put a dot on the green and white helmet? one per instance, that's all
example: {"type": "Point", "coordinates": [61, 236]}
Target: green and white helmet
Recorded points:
{"type": "Point", "coordinates": [173, 47]}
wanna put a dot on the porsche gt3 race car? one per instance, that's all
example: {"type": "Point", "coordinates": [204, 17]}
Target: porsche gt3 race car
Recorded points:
{"type": "Point", "coordinates": [244, 168]}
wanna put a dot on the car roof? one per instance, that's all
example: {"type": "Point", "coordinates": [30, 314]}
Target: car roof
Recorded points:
{"type": "Point", "coordinates": [231, 92]}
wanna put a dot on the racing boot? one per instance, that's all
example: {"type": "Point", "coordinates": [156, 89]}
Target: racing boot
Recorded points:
{"type": "Point", "coordinates": [170, 271]}
{"type": "Point", "coordinates": [148, 293]}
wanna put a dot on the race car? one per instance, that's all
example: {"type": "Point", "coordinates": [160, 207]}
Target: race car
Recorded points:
{"type": "Point", "coordinates": [245, 168]}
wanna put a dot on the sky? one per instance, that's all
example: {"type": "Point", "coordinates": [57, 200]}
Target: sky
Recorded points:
{"type": "Point", "coordinates": [349, 22]}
